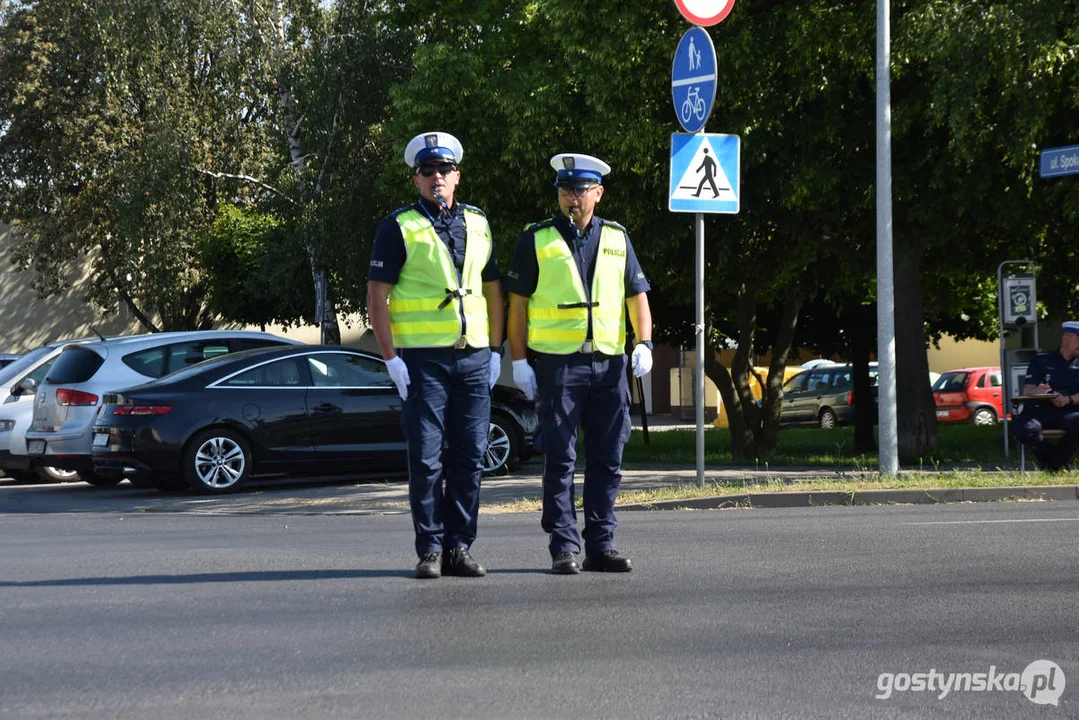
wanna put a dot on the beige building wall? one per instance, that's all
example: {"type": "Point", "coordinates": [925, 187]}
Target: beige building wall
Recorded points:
{"type": "Point", "coordinates": [27, 321]}
{"type": "Point", "coordinates": [954, 354]}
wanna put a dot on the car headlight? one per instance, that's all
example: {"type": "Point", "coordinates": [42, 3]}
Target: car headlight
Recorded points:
{"type": "Point", "coordinates": [7, 425]}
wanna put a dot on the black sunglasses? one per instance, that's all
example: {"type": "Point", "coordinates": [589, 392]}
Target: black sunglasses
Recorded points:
{"type": "Point", "coordinates": [444, 169]}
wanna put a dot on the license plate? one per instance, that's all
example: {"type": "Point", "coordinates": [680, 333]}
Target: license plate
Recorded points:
{"type": "Point", "coordinates": [35, 447]}
{"type": "Point", "coordinates": [101, 439]}
{"type": "Point", "coordinates": [942, 413]}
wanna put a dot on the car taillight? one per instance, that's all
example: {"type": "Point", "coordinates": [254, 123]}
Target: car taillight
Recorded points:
{"type": "Point", "coordinates": [141, 409]}
{"type": "Point", "coordinates": [850, 398]}
{"type": "Point", "coordinates": [65, 396]}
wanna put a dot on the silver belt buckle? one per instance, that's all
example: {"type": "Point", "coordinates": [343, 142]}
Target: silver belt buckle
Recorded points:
{"type": "Point", "coordinates": [461, 344]}
{"type": "Point", "coordinates": [586, 347]}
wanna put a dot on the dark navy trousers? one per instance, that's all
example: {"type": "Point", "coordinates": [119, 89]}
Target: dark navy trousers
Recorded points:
{"type": "Point", "coordinates": [590, 391]}
{"type": "Point", "coordinates": [1028, 426]}
{"type": "Point", "coordinates": [446, 419]}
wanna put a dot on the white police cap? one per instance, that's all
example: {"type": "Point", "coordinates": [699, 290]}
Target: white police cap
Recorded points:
{"type": "Point", "coordinates": [577, 170]}
{"type": "Point", "coordinates": [1071, 326]}
{"type": "Point", "coordinates": [433, 147]}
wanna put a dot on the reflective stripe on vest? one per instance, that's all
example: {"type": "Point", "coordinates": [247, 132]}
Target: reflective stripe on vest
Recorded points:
{"type": "Point", "coordinates": [558, 309]}
{"type": "Point", "coordinates": [420, 315]}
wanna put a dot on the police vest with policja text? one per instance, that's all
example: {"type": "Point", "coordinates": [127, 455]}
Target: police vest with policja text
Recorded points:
{"type": "Point", "coordinates": [425, 303]}
{"type": "Point", "coordinates": [558, 309]}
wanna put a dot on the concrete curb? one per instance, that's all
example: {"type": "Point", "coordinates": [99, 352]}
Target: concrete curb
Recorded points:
{"type": "Point", "coordinates": [912, 496]}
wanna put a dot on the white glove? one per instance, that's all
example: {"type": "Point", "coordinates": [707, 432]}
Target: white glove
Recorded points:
{"type": "Point", "coordinates": [494, 369]}
{"type": "Point", "coordinates": [642, 360]}
{"type": "Point", "coordinates": [399, 374]}
{"type": "Point", "coordinates": [524, 377]}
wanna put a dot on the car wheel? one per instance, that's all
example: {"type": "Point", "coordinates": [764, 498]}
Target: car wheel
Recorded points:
{"type": "Point", "coordinates": [217, 461]}
{"type": "Point", "coordinates": [51, 474]}
{"type": "Point", "coordinates": [501, 452]}
{"type": "Point", "coordinates": [983, 416]}
{"type": "Point", "coordinates": [100, 480]}
{"type": "Point", "coordinates": [827, 419]}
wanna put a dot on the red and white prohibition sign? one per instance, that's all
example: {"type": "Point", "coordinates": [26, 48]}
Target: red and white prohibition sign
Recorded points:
{"type": "Point", "coordinates": [704, 12]}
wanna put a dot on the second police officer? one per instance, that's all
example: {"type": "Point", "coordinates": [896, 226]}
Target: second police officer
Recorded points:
{"type": "Point", "coordinates": [572, 281]}
{"type": "Point", "coordinates": [436, 308]}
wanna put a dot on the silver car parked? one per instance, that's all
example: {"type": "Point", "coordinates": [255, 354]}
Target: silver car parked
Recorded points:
{"type": "Point", "coordinates": [18, 384]}
{"type": "Point", "coordinates": [66, 403]}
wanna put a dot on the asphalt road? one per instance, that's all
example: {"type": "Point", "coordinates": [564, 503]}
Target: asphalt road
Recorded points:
{"type": "Point", "coordinates": [742, 613]}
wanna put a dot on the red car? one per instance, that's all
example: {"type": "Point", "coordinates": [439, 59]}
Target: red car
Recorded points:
{"type": "Point", "coordinates": [972, 395]}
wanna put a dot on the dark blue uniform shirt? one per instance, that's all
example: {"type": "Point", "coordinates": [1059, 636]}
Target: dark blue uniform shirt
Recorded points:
{"type": "Point", "coordinates": [523, 273]}
{"type": "Point", "coordinates": [1051, 368]}
{"type": "Point", "coordinates": [388, 254]}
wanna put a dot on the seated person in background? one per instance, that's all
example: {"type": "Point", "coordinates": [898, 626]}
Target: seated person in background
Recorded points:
{"type": "Point", "coordinates": [1055, 374]}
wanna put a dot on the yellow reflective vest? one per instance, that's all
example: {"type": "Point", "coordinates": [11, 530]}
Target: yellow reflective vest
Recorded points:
{"type": "Point", "coordinates": [558, 310]}
{"type": "Point", "coordinates": [427, 302]}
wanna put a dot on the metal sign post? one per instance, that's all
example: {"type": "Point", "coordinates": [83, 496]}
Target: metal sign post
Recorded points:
{"type": "Point", "coordinates": [888, 420]}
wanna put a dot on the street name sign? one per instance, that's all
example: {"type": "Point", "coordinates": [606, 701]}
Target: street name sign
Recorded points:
{"type": "Point", "coordinates": [1059, 161]}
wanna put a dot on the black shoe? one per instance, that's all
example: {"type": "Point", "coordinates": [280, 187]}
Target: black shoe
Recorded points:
{"type": "Point", "coordinates": [430, 566]}
{"type": "Point", "coordinates": [1045, 458]}
{"type": "Point", "coordinates": [564, 563]}
{"type": "Point", "coordinates": [458, 562]}
{"type": "Point", "coordinates": [607, 561]}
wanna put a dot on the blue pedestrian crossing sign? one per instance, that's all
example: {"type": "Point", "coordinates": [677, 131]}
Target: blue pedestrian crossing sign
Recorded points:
{"type": "Point", "coordinates": [706, 173]}
{"type": "Point", "coordinates": [693, 79]}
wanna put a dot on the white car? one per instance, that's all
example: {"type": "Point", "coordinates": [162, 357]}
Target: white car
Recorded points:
{"type": "Point", "coordinates": [18, 382]}
{"type": "Point", "coordinates": [66, 403]}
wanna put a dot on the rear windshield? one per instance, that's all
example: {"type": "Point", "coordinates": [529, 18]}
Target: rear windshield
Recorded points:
{"type": "Point", "coordinates": [75, 365]}
{"type": "Point", "coordinates": [951, 382]}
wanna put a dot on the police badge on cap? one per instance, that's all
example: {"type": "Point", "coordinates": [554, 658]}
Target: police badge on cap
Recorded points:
{"type": "Point", "coordinates": [577, 170]}
{"type": "Point", "coordinates": [433, 147]}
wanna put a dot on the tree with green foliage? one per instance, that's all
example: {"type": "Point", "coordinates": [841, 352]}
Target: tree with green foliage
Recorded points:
{"type": "Point", "coordinates": [115, 118]}
{"type": "Point", "coordinates": [126, 127]}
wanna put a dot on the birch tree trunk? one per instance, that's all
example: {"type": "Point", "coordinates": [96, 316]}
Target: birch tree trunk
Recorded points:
{"type": "Point", "coordinates": [329, 330]}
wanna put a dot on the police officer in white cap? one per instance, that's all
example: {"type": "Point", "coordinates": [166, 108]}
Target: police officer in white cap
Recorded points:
{"type": "Point", "coordinates": [436, 308]}
{"type": "Point", "coordinates": [1054, 375]}
{"type": "Point", "coordinates": [572, 282]}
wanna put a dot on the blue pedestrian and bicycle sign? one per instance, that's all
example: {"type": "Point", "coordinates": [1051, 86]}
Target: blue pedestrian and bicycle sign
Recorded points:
{"type": "Point", "coordinates": [706, 173]}
{"type": "Point", "coordinates": [1059, 161]}
{"type": "Point", "coordinates": [693, 79]}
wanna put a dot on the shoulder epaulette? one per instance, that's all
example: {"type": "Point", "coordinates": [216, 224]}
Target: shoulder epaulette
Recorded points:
{"type": "Point", "coordinates": [533, 227]}
{"type": "Point", "coordinates": [403, 208]}
{"type": "Point", "coordinates": [612, 223]}
{"type": "Point", "coordinates": [473, 208]}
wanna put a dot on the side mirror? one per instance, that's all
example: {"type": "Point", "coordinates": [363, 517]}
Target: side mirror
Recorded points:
{"type": "Point", "coordinates": [27, 387]}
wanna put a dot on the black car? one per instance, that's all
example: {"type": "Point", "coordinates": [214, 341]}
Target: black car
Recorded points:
{"type": "Point", "coordinates": [294, 410]}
